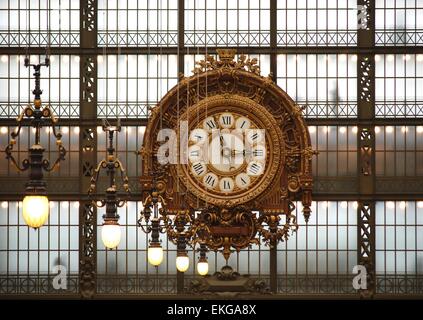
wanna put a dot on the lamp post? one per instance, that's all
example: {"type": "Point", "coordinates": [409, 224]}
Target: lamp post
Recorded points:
{"type": "Point", "coordinates": [154, 204]}
{"type": "Point", "coordinates": [35, 202]}
{"type": "Point", "coordinates": [110, 230]}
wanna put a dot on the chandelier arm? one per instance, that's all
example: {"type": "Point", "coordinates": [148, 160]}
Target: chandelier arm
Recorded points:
{"type": "Point", "coordinates": [95, 176]}
{"type": "Point", "coordinates": [9, 156]}
{"type": "Point", "coordinates": [123, 176]}
{"type": "Point", "coordinates": [146, 230]}
{"type": "Point", "coordinates": [28, 111]}
{"type": "Point", "coordinates": [56, 164]}
{"type": "Point", "coordinates": [101, 205]}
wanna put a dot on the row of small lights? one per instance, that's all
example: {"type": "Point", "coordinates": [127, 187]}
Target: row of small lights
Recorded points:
{"type": "Point", "coordinates": [388, 129]}
{"type": "Point", "coordinates": [342, 57]}
{"type": "Point", "coordinates": [324, 204]}
{"type": "Point", "coordinates": [65, 58]}
{"type": "Point", "coordinates": [75, 130]}
{"type": "Point", "coordinates": [389, 204]}
{"type": "Point", "coordinates": [311, 129]}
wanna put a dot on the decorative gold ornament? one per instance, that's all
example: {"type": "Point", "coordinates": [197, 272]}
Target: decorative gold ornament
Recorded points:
{"type": "Point", "coordinates": [226, 216]}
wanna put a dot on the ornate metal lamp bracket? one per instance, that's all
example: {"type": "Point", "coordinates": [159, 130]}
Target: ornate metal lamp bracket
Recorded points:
{"type": "Point", "coordinates": [37, 116]}
{"type": "Point", "coordinates": [110, 164]}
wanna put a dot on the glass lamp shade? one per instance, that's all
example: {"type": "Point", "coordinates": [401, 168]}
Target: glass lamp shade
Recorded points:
{"type": "Point", "coordinates": [202, 268]}
{"type": "Point", "coordinates": [35, 210]}
{"type": "Point", "coordinates": [155, 255]}
{"type": "Point", "coordinates": [110, 235]}
{"type": "Point", "coordinates": [182, 263]}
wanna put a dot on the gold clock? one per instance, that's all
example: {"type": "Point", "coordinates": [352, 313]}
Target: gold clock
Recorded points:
{"type": "Point", "coordinates": [234, 150]}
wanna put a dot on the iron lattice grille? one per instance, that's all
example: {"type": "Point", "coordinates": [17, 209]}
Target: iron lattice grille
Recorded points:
{"type": "Point", "coordinates": [165, 38]}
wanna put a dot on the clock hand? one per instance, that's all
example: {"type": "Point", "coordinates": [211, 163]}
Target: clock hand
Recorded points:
{"type": "Point", "coordinates": [244, 152]}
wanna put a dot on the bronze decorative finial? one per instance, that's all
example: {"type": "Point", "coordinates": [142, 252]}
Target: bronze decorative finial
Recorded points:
{"type": "Point", "coordinates": [226, 55]}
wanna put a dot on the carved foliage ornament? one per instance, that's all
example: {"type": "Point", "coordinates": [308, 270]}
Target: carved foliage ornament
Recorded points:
{"type": "Point", "coordinates": [259, 134]}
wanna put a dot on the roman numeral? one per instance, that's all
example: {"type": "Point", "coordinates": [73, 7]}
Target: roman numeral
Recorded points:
{"type": "Point", "coordinates": [198, 168]}
{"type": "Point", "coordinates": [227, 120]}
{"type": "Point", "coordinates": [258, 153]}
{"type": "Point", "coordinates": [210, 180]}
{"type": "Point", "coordinates": [226, 184]}
{"type": "Point", "coordinates": [255, 168]}
{"type": "Point", "coordinates": [211, 124]}
{"type": "Point", "coordinates": [195, 153]}
{"type": "Point", "coordinates": [243, 123]}
{"type": "Point", "coordinates": [254, 136]}
{"type": "Point", "coordinates": [243, 181]}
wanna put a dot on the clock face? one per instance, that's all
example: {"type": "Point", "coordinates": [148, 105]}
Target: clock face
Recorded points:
{"type": "Point", "coordinates": [227, 153]}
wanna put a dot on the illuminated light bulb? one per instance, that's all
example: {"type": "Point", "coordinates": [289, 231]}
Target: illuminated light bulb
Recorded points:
{"type": "Point", "coordinates": [420, 204]}
{"type": "Point", "coordinates": [4, 204]}
{"type": "Point", "coordinates": [355, 204]}
{"type": "Point", "coordinates": [99, 129]}
{"type": "Point", "coordinates": [202, 267]}
{"type": "Point", "coordinates": [4, 58]}
{"type": "Point", "coordinates": [377, 130]}
{"type": "Point", "coordinates": [76, 204]}
{"type": "Point", "coordinates": [390, 57]}
{"type": "Point", "coordinates": [377, 58]}
{"type": "Point", "coordinates": [326, 129]}
{"type": "Point", "coordinates": [155, 254]}
{"type": "Point", "coordinates": [33, 130]}
{"type": "Point", "coordinates": [325, 204]}
{"type": "Point", "coordinates": [403, 205]}
{"type": "Point", "coordinates": [76, 58]}
{"type": "Point", "coordinates": [342, 129]}
{"type": "Point", "coordinates": [141, 130]}
{"type": "Point", "coordinates": [419, 57]}
{"type": "Point", "coordinates": [354, 129]}
{"type": "Point", "coordinates": [312, 129]}
{"type": "Point", "coordinates": [128, 130]}
{"type": "Point", "coordinates": [344, 204]}
{"type": "Point", "coordinates": [65, 59]}
{"type": "Point", "coordinates": [182, 263]}
{"type": "Point", "coordinates": [406, 57]}
{"type": "Point", "coordinates": [48, 129]}
{"type": "Point", "coordinates": [65, 204]}
{"type": "Point", "coordinates": [100, 59]}
{"type": "Point", "coordinates": [343, 57]}
{"type": "Point", "coordinates": [354, 57]}
{"type": "Point", "coordinates": [65, 130]}
{"type": "Point", "coordinates": [389, 129]}
{"type": "Point", "coordinates": [3, 130]}
{"type": "Point", "coordinates": [110, 234]}
{"type": "Point", "coordinates": [51, 205]}
{"type": "Point", "coordinates": [76, 130]}
{"type": "Point", "coordinates": [390, 205]}
{"type": "Point", "coordinates": [35, 210]}
{"type": "Point", "coordinates": [52, 58]}
{"type": "Point", "coordinates": [404, 129]}
{"type": "Point", "coordinates": [419, 129]}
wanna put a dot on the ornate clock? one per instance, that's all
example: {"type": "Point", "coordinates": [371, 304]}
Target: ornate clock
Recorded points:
{"type": "Point", "coordinates": [243, 154]}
